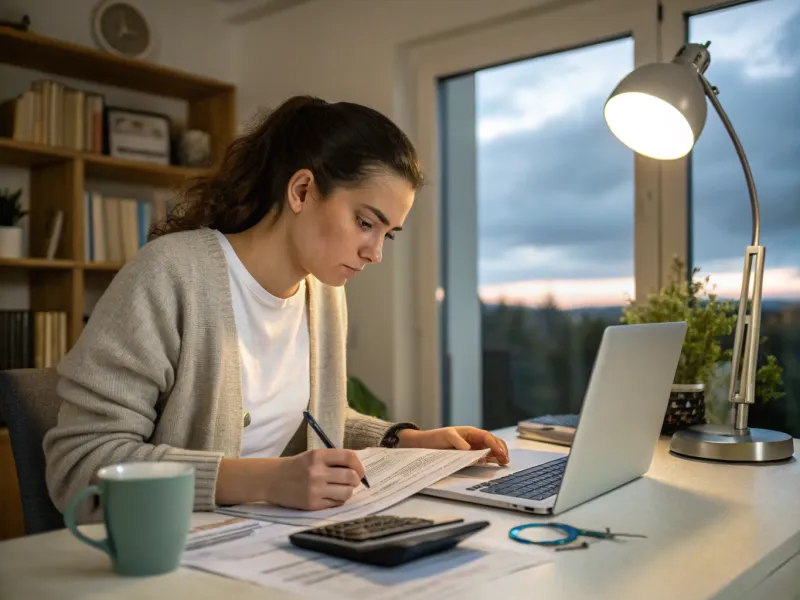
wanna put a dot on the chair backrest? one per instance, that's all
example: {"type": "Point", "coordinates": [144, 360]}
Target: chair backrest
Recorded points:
{"type": "Point", "coordinates": [29, 407]}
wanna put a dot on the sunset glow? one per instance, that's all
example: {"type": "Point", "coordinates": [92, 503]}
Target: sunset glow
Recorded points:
{"type": "Point", "coordinates": [779, 284]}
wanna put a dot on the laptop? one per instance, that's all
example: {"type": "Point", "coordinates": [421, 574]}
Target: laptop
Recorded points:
{"type": "Point", "coordinates": [618, 427]}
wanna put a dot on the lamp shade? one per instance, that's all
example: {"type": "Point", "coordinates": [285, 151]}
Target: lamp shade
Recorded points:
{"type": "Point", "coordinates": [658, 110]}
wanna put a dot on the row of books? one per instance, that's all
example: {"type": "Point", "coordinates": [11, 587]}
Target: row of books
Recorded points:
{"type": "Point", "coordinates": [32, 339]}
{"type": "Point", "coordinates": [115, 228]}
{"type": "Point", "coordinates": [54, 114]}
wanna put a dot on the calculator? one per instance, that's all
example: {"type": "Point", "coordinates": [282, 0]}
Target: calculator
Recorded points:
{"type": "Point", "coordinates": [386, 540]}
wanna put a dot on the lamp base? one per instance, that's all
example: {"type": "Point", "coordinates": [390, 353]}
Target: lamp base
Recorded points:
{"type": "Point", "coordinates": [721, 443]}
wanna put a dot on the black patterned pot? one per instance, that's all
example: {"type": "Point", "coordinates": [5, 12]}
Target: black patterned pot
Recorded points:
{"type": "Point", "coordinates": [687, 407]}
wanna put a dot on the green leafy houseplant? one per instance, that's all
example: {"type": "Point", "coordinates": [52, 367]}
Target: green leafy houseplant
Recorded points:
{"type": "Point", "coordinates": [10, 210]}
{"type": "Point", "coordinates": [708, 320]}
{"type": "Point", "coordinates": [363, 400]}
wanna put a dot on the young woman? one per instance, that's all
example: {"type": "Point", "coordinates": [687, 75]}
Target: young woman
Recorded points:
{"type": "Point", "coordinates": [231, 321]}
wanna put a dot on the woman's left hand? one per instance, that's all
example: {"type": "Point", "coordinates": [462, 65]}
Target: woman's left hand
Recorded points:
{"type": "Point", "coordinates": [460, 438]}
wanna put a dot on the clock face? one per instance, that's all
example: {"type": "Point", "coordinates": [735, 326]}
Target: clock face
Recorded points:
{"type": "Point", "coordinates": [123, 29]}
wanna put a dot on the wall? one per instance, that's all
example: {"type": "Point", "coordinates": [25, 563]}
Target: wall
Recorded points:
{"type": "Point", "coordinates": [351, 50]}
{"type": "Point", "coordinates": [191, 35]}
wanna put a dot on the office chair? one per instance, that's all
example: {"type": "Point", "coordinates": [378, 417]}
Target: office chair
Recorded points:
{"type": "Point", "coordinates": [29, 407]}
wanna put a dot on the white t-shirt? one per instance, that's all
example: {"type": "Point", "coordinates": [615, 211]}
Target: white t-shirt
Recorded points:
{"type": "Point", "coordinates": [274, 358]}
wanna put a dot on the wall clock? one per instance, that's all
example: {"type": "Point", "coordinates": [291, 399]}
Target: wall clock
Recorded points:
{"type": "Point", "coordinates": [121, 28]}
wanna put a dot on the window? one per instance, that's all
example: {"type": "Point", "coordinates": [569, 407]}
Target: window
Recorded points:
{"type": "Point", "coordinates": [508, 121]}
{"type": "Point", "coordinates": [554, 227]}
{"type": "Point", "coordinates": [755, 63]}
{"type": "Point", "coordinates": [555, 223]}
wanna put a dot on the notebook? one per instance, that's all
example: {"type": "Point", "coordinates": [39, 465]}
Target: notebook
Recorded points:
{"type": "Point", "coordinates": [552, 429]}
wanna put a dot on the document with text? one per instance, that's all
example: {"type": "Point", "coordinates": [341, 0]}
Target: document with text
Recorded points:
{"type": "Point", "coordinates": [266, 557]}
{"type": "Point", "coordinates": [394, 474]}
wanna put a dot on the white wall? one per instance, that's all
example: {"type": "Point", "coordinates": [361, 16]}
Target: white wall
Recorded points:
{"type": "Point", "coordinates": [191, 35]}
{"type": "Point", "coordinates": [352, 50]}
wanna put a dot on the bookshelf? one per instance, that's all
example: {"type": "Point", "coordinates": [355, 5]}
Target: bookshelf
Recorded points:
{"type": "Point", "coordinates": [58, 177]}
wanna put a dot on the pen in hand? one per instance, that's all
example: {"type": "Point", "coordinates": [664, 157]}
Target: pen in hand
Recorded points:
{"type": "Point", "coordinates": [328, 444]}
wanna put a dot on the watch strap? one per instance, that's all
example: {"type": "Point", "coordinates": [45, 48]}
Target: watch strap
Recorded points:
{"type": "Point", "coordinates": [390, 438]}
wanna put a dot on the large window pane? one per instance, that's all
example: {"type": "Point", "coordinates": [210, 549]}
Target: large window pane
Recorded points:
{"type": "Point", "coordinates": [755, 62]}
{"type": "Point", "coordinates": [555, 226]}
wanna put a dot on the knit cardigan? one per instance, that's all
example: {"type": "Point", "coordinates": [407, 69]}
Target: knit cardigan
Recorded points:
{"type": "Point", "coordinates": [155, 375]}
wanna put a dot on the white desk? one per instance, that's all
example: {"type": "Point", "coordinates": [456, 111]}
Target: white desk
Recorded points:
{"type": "Point", "coordinates": [714, 531]}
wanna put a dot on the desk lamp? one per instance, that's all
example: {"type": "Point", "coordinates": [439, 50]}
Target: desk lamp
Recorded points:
{"type": "Point", "coordinates": [659, 110]}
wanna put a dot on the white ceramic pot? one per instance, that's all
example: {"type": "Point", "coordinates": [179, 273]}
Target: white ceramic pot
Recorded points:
{"type": "Point", "coordinates": [10, 242]}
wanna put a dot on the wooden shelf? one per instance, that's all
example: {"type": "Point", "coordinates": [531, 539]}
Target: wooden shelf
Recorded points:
{"type": "Point", "coordinates": [36, 263]}
{"type": "Point", "coordinates": [32, 51]}
{"type": "Point", "coordinates": [101, 266]}
{"type": "Point", "coordinates": [98, 166]}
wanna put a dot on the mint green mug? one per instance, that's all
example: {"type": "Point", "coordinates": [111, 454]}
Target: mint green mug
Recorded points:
{"type": "Point", "coordinates": [147, 510]}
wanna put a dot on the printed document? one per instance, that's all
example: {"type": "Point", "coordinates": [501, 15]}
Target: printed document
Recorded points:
{"type": "Point", "coordinates": [394, 474]}
{"type": "Point", "coordinates": [265, 556]}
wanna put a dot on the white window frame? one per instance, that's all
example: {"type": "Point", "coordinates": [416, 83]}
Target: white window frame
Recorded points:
{"type": "Point", "coordinates": [547, 28]}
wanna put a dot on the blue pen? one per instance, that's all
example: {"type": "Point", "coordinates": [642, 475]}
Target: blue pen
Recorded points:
{"type": "Point", "coordinates": [315, 426]}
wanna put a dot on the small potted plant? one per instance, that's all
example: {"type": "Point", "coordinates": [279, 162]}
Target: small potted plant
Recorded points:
{"type": "Point", "coordinates": [708, 321]}
{"type": "Point", "coordinates": [10, 231]}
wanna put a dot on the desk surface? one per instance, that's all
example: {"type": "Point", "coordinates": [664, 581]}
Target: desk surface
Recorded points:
{"type": "Point", "coordinates": [714, 531]}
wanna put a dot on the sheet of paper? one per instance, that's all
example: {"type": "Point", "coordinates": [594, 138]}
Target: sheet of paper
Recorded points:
{"type": "Point", "coordinates": [266, 557]}
{"type": "Point", "coordinates": [394, 474]}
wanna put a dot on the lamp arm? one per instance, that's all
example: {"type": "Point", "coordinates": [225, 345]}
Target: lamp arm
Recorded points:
{"type": "Point", "coordinates": [711, 92]}
{"type": "Point", "coordinates": [748, 323]}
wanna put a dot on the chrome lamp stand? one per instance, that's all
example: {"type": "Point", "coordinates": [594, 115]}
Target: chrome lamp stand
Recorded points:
{"type": "Point", "coordinates": [736, 442]}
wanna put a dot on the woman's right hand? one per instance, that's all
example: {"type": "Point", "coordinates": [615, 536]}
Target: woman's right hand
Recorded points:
{"type": "Point", "coordinates": [313, 480]}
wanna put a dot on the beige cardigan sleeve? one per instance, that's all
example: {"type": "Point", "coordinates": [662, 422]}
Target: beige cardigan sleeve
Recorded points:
{"type": "Point", "coordinates": [362, 431]}
{"type": "Point", "coordinates": [111, 381]}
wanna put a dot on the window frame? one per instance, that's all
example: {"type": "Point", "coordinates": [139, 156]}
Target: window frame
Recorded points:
{"type": "Point", "coordinates": [544, 29]}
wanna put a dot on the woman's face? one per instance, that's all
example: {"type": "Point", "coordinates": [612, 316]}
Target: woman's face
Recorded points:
{"type": "Point", "coordinates": [334, 238]}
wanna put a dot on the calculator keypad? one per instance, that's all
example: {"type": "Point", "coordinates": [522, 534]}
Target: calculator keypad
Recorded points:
{"type": "Point", "coordinates": [371, 527]}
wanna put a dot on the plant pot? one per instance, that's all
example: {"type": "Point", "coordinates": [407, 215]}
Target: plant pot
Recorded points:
{"type": "Point", "coordinates": [687, 407]}
{"type": "Point", "coordinates": [10, 242]}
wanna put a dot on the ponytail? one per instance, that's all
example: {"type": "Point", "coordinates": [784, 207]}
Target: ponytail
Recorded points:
{"type": "Point", "coordinates": [341, 144]}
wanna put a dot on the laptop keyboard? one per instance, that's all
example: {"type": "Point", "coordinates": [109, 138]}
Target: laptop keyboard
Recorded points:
{"type": "Point", "coordinates": [535, 483]}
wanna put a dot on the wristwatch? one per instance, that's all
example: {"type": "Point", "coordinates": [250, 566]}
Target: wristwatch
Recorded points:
{"type": "Point", "coordinates": [390, 439]}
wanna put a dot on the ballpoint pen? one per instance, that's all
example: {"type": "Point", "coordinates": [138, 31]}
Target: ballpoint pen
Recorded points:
{"type": "Point", "coordinates": [315, 426]}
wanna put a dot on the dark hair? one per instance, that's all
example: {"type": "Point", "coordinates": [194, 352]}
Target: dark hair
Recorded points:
{"type": "Point", "coordinates": [340, 143]}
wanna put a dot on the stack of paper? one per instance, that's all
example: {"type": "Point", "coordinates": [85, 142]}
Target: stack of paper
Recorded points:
{"type": "Point", "coordinates": [266, 557]}
{"type": "Point", "coordinates": [394, 474]}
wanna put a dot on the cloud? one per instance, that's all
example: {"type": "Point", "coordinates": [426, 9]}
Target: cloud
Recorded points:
{"type": "Point", "coordinates": [526, 96]}
{"type": "Point", "coordinates": [751, 36]}
{"type": "Point", "coordinates": [564, 191]}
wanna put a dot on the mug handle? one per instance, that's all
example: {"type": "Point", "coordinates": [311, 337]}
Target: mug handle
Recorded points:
{"type": "Point", "coordinates": [69, 519]}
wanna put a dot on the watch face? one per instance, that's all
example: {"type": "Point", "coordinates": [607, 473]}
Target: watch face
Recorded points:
{"type": "Point", "coordinates": [125, 29]}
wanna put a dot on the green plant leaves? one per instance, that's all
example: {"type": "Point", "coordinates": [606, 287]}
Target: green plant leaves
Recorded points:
{"type": "Point", "coordinates": [708, 320]}
{"type": "Point", "coordinates": [361, 399]}
{"type": "Point", "coordinates": [10, 210]}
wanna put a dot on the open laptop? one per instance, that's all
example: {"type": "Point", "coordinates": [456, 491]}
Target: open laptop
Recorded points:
{"type": "Point", "coordinates": [618, 428]}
